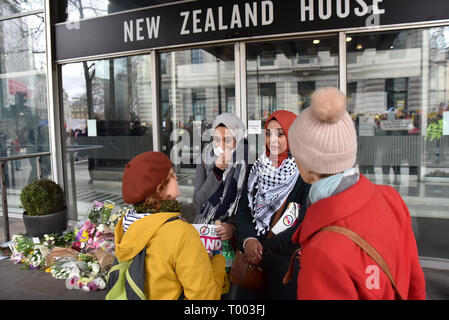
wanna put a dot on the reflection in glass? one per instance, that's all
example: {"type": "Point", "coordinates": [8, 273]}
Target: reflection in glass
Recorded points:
{"type": "Point", "coordinates": [22, 44]}
{"type": "Point", "coordinates": [108, 121]}
{"type": "Point", "coordinates": [82, 9]}
{"type": "Point", "coordinates": [398, 92]}
{"type": "Point", "coordinates": [196, 86]}
{"type": "Point", "coordinates": [11, 7]}
{"type": "Point", "coordinates": [282, 75]}
{"type": "Point", "coordinates": [23, 100]}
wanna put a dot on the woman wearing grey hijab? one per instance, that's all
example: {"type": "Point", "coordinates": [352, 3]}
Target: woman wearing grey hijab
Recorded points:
{"type": "Point", "coordinates": [221, 175]}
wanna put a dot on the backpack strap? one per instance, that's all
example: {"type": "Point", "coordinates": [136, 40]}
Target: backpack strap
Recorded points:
{"type": "Point", "coordinates": [369, 250]}
{"type": "Point", "coordinates": [181, 296]}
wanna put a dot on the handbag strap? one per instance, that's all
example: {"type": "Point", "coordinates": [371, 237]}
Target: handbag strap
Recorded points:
{"type": "Point", "coordinates": [276, 218]}
{"type": "Point", "coordinates": [365, 246]}
{"type": "Point", "coordinates": [369, 250]}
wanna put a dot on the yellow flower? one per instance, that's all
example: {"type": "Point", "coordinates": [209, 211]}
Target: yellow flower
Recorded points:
{"type": "Point", "coordinates": [48, 270]}
{"type": "Point", "coordinates": [110, 206]}
{"type": "Point", "coordinates": [85, 280]}
{"type": "Point", "coordinates": [84, 236]}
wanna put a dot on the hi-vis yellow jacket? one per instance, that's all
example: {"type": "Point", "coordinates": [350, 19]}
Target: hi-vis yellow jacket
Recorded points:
{"type": "Point", "coordinates": [176, 259]}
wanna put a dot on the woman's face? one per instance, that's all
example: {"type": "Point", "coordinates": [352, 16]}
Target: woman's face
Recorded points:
{"type": "Point", "coordinates": [171, 191]}
{"type": "Point", "coordinates": [223, 138]}
{"type": "Point", "coordinates": [276, 138]}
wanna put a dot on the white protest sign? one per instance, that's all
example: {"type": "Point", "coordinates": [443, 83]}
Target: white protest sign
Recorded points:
{"type": "Point", "coordinates": [446, 123]}
{"type": "Point", "coordinates": [209, 237]}
{"type": "Point", "coordinates": [398, 124]}
{"type": "Point", "coordinates": [366, 126]}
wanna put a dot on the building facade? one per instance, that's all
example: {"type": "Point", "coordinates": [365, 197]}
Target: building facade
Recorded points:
{"type": "Point", "coordinates": [98, 82]}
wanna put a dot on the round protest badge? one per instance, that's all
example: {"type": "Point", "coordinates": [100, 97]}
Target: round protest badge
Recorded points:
{"type": "Point", "coordinates": [288, 220]}
{"type": "Point", "coordinates": [204, 230]}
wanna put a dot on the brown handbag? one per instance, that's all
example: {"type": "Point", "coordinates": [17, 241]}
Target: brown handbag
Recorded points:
{"type": "Point", "coordinates": [246, 275]}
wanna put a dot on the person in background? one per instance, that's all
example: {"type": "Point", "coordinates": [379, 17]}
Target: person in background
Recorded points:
{"type": "Point", "coordinates": [273, 183]}
{"type": "Point", "coordinates": [324, 144]}
{"type": "Point", "coordinates": [176, 263]}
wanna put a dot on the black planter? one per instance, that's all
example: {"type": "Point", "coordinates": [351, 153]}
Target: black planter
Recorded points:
{"type": "Point", "coordinates": [37, 226]}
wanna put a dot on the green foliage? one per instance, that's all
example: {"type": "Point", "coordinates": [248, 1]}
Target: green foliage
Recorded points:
{"type": "Point", "coordinates": [42, 197]}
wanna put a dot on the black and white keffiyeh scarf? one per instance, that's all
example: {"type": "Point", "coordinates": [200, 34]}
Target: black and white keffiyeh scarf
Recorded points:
{"type": "Point", "coordinates": [268, 188]}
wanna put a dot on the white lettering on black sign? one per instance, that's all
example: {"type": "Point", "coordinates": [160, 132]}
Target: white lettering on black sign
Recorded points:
{"type": "Point", "coordinates": [325, 9]}
{"type": "Point", "coordinates": [134, 30]}
{"type": "Point", "coordinates": [212, 19]}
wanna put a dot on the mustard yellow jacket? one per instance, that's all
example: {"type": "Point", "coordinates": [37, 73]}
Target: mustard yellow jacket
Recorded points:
{"type": "Point", "coordinates": [175, 260]}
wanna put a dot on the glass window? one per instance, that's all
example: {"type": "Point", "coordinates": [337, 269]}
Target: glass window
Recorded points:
{"type": "Point", "coordinates": [282, 75]}
{"type": "Point", "coordinates": [12, 7]}
{"type": "Point", "coordinates": [199, 84]}
{"type": "Point", "coordinates": [108, 121]}
{"type": "Point", "coordinates": [82, 9]}
{"type": "Point", "coordinates": [22, 45]}
{"type": "Point", "coordinates": [398, 92]}
{"type": "Point", "coordinates": [23, 101]}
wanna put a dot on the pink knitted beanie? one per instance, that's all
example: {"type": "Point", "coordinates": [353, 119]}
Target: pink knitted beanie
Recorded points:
{"type": "Point", "coordinates": [323, 138]}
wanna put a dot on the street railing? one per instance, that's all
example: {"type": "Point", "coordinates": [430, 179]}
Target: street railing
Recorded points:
{"type": "Point", "coordinates": [3, 161]}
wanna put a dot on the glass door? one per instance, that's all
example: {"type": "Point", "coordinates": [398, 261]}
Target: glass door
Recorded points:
{"type": "Point", "coordinates": [108, 121]}
{"type": "Point", "coordinates": [196, 86]}
{"type": "Point", "coordinates": [282, 75]}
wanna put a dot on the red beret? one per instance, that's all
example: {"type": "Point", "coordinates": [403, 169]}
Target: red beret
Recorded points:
{"type": "Point", "coordinates": [143, 174]}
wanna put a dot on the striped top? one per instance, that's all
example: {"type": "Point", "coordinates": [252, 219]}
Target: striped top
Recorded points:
{"type": "Point", "coordinates": [132, 216]}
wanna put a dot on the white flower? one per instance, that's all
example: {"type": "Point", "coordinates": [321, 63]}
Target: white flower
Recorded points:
{"type": "Point", "coordinates": [95, 268]}
{"type": "Point", "coordinates": [75, 272]}
{"type": "Point", "coordinates": [101, 284]}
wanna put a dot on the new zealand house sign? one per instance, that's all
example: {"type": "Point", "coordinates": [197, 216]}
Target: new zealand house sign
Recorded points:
{"type": "Point", "coordinates": [215, 20]}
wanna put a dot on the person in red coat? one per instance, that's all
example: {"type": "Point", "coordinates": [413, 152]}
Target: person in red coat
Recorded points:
{"type": "Point", "coordinates": [323, 142]}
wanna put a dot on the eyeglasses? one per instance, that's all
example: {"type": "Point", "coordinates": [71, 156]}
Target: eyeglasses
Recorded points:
{"type": "Point", "coordinates": [226, 140]}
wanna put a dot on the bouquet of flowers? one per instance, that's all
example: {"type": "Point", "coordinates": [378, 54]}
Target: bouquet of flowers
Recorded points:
{"type": "Point", "coordinates": [81, 273]}
{"type": "Point", "coordinates": [91, 236]}
{"type": "Point", "coordinates": [103, 213]}
{"type": "Point", "coordinates": [93, 239]}
{"type": "Point", "coordinates": [32, 255]}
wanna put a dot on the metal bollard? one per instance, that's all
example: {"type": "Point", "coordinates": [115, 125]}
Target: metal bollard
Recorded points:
{"type": "Point", "coordinates": [4, 200]}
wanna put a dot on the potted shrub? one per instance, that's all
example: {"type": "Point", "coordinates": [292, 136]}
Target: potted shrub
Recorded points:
{"type": "Point", "coordinates": [44, 207]}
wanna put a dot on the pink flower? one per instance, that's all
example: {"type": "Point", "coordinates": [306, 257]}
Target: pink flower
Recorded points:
{"type": "Point", "coordinates": [97, 205]}
{"type": "Point", "coordinates": [17, 257]}
{"type": "Point", "coordinates": [92, 286]}
{"type": "Point", "coordinates": [74, 281]}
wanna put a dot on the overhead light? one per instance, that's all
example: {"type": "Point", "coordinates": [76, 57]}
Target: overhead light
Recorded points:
{"type": "Point", "coordinates": [359, 47]}
{"type": "Point", "coordinates": [348, 39]}
{"type": "Point", "coordinates": [316, 41]}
